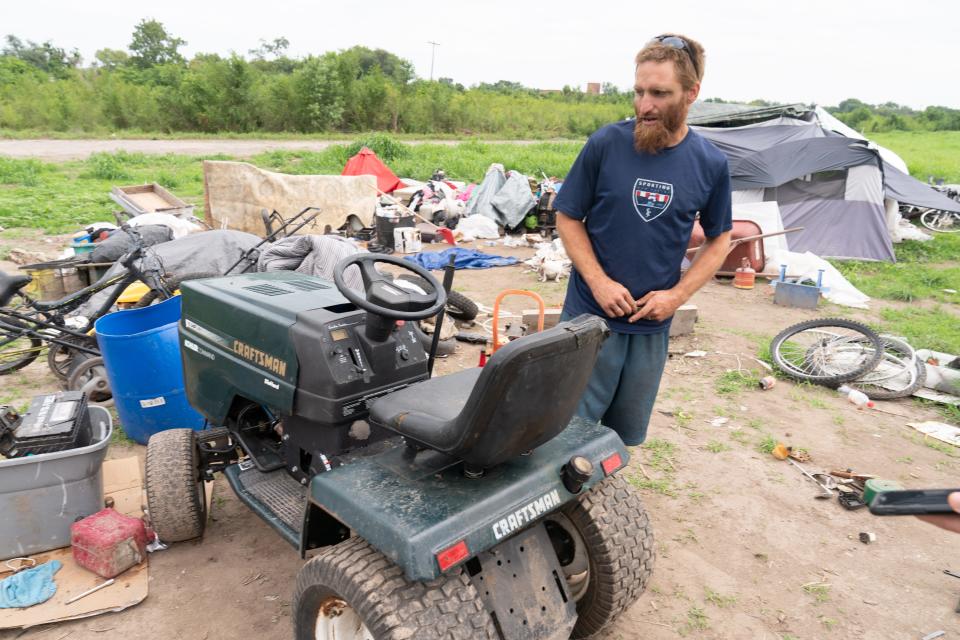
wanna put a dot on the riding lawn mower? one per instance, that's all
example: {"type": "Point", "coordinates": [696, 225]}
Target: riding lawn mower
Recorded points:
{"type": "Point", "coordinates": [470, 505]}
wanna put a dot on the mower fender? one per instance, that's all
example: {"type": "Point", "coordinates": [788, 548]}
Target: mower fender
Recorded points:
{"type": "Point", "coordinates": [429, 518]}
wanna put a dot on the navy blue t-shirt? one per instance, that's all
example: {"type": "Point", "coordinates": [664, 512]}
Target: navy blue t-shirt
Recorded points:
{"type": "Point", "coordinates": [639, 210]}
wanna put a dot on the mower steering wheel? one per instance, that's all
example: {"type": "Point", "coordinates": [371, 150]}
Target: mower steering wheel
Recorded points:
{"type": "Point", "coordinates": [381, 296]}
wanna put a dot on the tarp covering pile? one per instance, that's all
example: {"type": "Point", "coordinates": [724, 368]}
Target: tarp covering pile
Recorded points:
{"type": "Point", "coordinates": [236, 192]}
{"type": "Point", "coordinates": [211, 252]}
{"type": "Point", "coordinates": [313, 255]}
{"type": "Point", "coordinates": [503, 197]}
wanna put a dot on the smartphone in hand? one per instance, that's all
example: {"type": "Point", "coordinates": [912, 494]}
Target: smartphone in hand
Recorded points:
{"type": "Point", "coordinates": [911, 502]}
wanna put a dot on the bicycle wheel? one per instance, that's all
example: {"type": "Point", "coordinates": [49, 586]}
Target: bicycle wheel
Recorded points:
{"type": "Point", "coordinates": [941, 221]}
{"type": "Point", "coordinates": [17, 348]}
{"type": "Point", "coordinates": [899, 373]}
{"type": "Point", "coordinates": [826, 351]}
{"type": "Point", "coordinates": [173, 283]}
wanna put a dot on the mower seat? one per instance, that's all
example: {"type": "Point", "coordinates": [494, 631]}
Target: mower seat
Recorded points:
{"type": "Point", "coordinates": [9, 285]}
{"type": "Point", "coordinates": [524, 396]}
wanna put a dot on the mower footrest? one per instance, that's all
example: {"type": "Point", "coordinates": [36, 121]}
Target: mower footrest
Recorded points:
{"type": "Point", "coordinates": [275, 496]}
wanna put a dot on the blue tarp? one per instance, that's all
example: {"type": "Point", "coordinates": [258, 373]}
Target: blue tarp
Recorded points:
{"type": "Point", "coordinates": [29, 587]}
{"type": "Point", "coordinates": [463, 259]}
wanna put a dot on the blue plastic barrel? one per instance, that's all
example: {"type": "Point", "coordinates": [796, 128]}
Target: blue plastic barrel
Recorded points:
{"type": "Point", "coordinates": [141, 353]}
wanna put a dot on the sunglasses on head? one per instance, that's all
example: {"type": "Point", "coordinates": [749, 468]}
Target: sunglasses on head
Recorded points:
{"type": "Point", "coordinates": [676, 42]}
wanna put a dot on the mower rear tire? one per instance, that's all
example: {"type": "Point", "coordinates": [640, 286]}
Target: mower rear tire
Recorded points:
{"type": "Point", "coordinates": [352, 591]}
{"type": "Point", "coordinates": [612, 524]}
{"type": "Point", "coordinates": [176, 498]}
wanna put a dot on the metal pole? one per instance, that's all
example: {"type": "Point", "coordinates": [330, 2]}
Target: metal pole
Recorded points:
{"type": "Point", "coordinates": [433, 52]}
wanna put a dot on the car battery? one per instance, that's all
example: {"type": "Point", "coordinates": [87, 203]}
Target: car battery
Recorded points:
{"type": "Point", "coordinates": [54, 422]}
{"type": "Point", "coordinates": [108, 542]}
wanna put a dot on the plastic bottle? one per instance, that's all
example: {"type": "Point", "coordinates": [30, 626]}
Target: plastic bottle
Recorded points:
{"type": "Point", "coordinates": [856, 397]}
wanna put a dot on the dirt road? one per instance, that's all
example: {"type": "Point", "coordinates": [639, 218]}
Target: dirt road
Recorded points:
{"type": "Point", "coordinates": [744, 550]}
{"type": "Point", "coordinates": [63, 150]}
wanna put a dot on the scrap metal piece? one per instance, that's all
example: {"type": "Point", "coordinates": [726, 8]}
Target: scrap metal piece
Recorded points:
{"type": "Point", "coordinates": [825, 492]}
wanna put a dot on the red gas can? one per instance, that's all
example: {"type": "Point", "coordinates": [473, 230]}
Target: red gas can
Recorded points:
{"type": "Point", "coordinates": [108, 543]}
{"type": "Point", "coordinates": [745, 276]}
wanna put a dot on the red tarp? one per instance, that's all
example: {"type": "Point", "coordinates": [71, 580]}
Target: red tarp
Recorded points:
{"type": "Point", "coordinates": [366, 163]}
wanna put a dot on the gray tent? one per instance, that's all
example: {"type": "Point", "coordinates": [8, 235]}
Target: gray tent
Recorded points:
{"type": "Point", "coordinates": [837, 187]}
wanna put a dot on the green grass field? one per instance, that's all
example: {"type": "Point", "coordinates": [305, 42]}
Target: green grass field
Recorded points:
{"type": "Point", "coordinates": [61, 197]}
{"type": "Point", "coordinates": [927, 153]}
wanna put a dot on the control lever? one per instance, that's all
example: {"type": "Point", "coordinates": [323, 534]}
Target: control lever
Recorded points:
{"type": "Point", "coordinates": [361, 368]}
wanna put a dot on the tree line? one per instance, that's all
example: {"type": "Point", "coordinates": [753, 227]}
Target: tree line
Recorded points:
{"type": "Point", "coordinates": [152, 87]}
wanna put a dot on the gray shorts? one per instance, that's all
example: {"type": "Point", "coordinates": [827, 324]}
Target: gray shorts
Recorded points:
{"type": "Point", "coordinates": [624, 384]}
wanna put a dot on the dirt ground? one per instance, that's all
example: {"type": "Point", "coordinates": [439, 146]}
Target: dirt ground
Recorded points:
{"type": "Point", "coordinates": [743, 548]}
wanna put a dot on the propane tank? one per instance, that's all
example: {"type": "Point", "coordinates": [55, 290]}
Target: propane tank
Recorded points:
{"type": "Point", "coordinates": [745, 276]}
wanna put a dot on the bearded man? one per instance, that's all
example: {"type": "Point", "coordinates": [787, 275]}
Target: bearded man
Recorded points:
{"type": "Point", "coordinates": [628, 206]}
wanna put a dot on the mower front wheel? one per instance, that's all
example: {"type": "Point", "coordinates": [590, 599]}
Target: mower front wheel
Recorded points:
{"type": "Point", "coordinates": [176, 498]}
{"type": "Point", "coordinates": [604, 542]}
{"type": "Point", "coordinates": [351, 591]}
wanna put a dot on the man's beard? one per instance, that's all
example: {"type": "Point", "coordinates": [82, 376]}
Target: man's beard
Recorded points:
{"type": "Point", "coordinates": [654, 138]}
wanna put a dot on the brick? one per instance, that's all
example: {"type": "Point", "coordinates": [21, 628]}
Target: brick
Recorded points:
{"type": "Point", "coordinates": [683, 320]}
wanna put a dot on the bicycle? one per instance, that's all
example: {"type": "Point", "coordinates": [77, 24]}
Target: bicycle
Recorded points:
{"type": "Point", "coordinates": [29, 326]}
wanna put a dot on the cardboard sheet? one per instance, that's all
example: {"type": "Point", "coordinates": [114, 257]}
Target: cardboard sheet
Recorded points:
{"type": "Point", "coordinates": [123, 482]}
{"type": "Point", "coordinates": [236, 192]}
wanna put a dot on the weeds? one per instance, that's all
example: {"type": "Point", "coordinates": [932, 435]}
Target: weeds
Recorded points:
{"type": "Point", "coordinates": [949, 412]}
{"type": "Point", "coordinates": [740, 436]}
{"type": "Point", "coordinates": [733, 382]}
{"type": "Point", "coordinates": [662, 486]}
{"type": "Point", "coordinates": [697, 619]}
{"type": "Point", "coordinates": [819, 590]}
{"type": "Point", "coordinates": [119, 436]}
{"type": "Point", "coordinates": [767, 445]}
{"type": "Point", "coordinates": [22, 172]}
{"type": "Point", "coordinates": [829, 623]}
{"type": "Point", "coordinates": [715, 446]}
{"type": "Point", "coordinates": [660, 454]}
{"type": "Point", "coordinates": [718, 599]}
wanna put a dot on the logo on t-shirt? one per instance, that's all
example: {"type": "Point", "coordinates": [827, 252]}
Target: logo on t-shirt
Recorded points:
{"type": "Point", "coordinates": [651, 198]}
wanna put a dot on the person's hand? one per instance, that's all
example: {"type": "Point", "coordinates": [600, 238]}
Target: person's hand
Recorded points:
{"type": "Point", "coordinates": [948, 522]}
{"type": "Point", "coordinates": [658, 305]}
{"type": "Point", "coordinates": [613, 298]}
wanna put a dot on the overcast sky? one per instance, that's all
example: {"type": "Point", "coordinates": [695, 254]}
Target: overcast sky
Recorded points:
{"type": "Point", "coordinates": [813, 51]}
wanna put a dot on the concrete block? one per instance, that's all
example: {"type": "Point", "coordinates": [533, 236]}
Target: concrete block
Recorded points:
{"type": "Point", "coordinates": [550, 318]}
{"type": "Point", "coordinates": [683, 320]}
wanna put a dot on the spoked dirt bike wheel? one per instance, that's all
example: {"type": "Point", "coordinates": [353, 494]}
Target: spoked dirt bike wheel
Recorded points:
{"type": "Point", "coordinates": [17, 348]}
{"type": "Point", "coordinates": [827, 351]}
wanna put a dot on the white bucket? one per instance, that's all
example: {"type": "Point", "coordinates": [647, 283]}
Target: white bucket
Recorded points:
{"type": "Point", "coordinates": [407, 240]}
